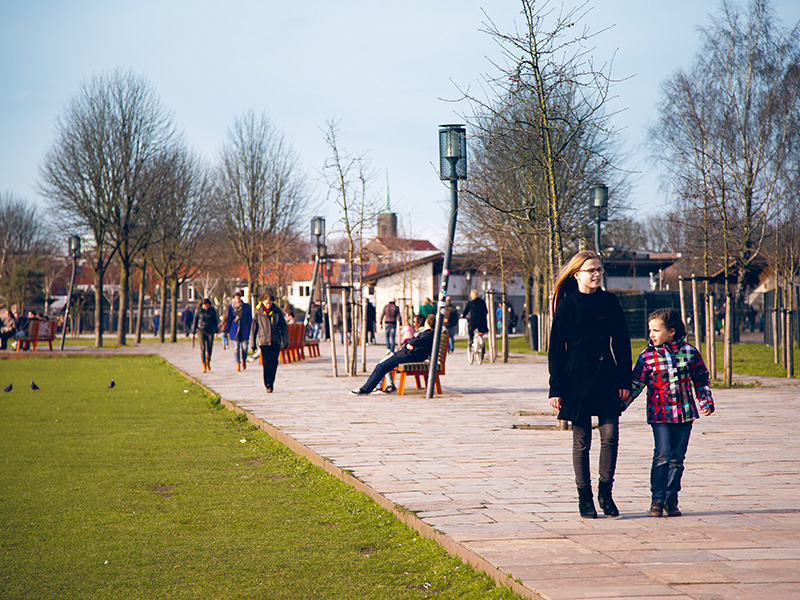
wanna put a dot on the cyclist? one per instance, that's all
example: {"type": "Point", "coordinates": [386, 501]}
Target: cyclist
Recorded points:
{"type": "Point", "coordinates": [475, 313]}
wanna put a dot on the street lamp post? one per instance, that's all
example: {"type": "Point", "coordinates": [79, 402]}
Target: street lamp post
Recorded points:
{"type": "Point", "coordinates": [318, 233]}
{"type": "Point", "coordinates": [599, 197]}
{"type": "Point", "coordinates": [452, 167]}
{"type": "Point", "coordinates": [75, 251]}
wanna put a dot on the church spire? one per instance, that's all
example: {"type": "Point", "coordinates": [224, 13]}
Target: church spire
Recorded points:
{"type": "Point", "coordinates": [388, 209]}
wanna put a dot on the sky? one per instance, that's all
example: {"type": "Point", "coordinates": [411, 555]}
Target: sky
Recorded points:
{"type": "Point", "coordinates": [387, 72]}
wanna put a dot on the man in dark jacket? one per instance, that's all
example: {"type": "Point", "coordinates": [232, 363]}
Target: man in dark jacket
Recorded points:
{"type": "Point", "coordinates": [187, 318]}
{"type": "Point", "coordinates": [417, 349]}
{"type": "Point", "coordinates": [475, 313]}
{"type": "Point", "coordinates": [206, 320]}
{"type": "Point", "coordinates": [239, 320]}
{"type": "Point", "coordinates": [270, 334]}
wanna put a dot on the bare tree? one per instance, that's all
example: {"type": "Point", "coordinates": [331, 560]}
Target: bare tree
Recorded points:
{"type": "Point", "coordinates": [181, 225]}
{"type": "Point", "coordinates": [547, 109]}
{"type": "Point", "coordinates": [347, 178]}
{"type": "Point", "coordinates": [23, 250]}
{"type": "Point", "coordinates": [260, 193]}
{"type": "Point", "coordinates": [96, 173]}
{"type": "Point", "coordinates": [726, 128]}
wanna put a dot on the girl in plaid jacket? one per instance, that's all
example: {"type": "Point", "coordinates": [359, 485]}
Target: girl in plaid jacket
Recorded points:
{"type": "Point", "coordinates": [669, 368]}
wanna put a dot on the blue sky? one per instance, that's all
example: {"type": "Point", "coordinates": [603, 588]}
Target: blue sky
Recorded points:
{"type": "Point", "coordinates": [381, 68]}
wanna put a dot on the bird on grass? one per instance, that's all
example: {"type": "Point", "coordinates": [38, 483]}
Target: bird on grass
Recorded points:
{"type": "Point", "coordinates": [111, 384]}
{"type": "Point", "coordinates": [8, 387]}
{"type": "Point", "coordinates": [34, 387]}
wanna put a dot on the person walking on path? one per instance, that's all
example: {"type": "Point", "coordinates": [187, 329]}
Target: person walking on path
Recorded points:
{"type": "Point", "coordinates": [187, 318]}
{"type": "Point", "coordinates": [239, 320]}
{"type": "Point", "coordinates": [391, 318]}
{"type": "Point", "coordinates": [270, 334]}
{"type": "Point", "coordinates": [450, 322]}
{"type": "Point", "coordinates": [590, 372]}
{"type": "Point", "coordinates": [669, 368]}
{"type": "Point", "coordinates": [370, 321]}
{"type": "Point", "coordinates": [156, 322]}
{"type": "Point", "coordinates": [475, 313]}
{"type": "Point", "coordinates": [316, 319]}
{"type": "Point", "coordinates": [417, 349]}
{"type": "Point", "coordinates": [207, 322]}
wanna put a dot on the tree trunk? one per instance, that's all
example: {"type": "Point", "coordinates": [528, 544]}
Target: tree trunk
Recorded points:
{"type": "Point", "coordinates": [98, 307]}
{"type": "Point", "coordinates": [162, 309]}
{"type": "Point", "coordinates": [124, 274]}
{"type": "Point", "coordinates": [140, 303]}
{"type": "Point", "coordinates": [727, 366]}
{"type": "Point", "coordinates": [173, 310]}
{"type": "Point", "coordinates": [329, 311]}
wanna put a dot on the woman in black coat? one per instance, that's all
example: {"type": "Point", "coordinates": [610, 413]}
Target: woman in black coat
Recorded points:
{"type": "Point", "coordinates": [590, 372]}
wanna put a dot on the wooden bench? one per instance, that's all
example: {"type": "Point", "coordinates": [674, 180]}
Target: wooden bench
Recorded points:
{"type": "Point", "coordinates": [294, 351]}
{"type": "Point", "coordinates": [312, 345]}
{"type": "Point", "coordinates": [38, 331]}
{"type": "Point", "coordinates": [421, 369]}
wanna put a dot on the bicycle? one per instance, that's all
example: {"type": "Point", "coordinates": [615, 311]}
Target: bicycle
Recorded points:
{"type": "Point", "coordinates": [476, 349]}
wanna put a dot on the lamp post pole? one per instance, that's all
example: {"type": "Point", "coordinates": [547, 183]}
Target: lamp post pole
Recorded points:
{"type": "Point", "coordinates": [599, 196]}
{"type": "Point", "coordinates": [318, 232]}
{"type": "Point", "coordinates": [453, 166]}
{"type": "Point", "coordinates": [75, 251]}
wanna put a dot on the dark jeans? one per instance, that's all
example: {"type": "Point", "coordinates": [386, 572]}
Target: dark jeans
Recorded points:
{"type": "Point", "coordinates": [671, 442]}
{"type": "Point", "coordinates": [382, 369]}
{"type": "Point", "coordinates": [452, 330]}
{"type": "Point", "coordinates": [582, 443]}
{"type": "Point", "coordinates": [269, 360]}
{"type": "Point", "coordinates": [206, 346]}
{"type": "Point", "coordinates": [391, 333]}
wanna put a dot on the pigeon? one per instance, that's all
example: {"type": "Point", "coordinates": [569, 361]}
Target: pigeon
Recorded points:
{"type": "Point", "coordinates": [111, 384]}
{"type": "Point", "coordinates": [8, 387]}
{"type": "Point", "coordinates": [34, 387]}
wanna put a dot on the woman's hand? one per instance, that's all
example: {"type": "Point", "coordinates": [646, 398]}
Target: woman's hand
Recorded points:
{"type": "Point", "coordinates": [624, 395]}
{"type": "Point", "coordinates": [555, 402]}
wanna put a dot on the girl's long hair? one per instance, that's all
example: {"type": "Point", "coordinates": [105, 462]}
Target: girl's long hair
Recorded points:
{"type": "Point", "coordinates": [566, 284]}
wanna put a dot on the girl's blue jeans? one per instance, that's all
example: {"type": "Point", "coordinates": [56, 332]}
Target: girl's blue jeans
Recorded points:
{"type": "Point", "coordinates": [671, 441]}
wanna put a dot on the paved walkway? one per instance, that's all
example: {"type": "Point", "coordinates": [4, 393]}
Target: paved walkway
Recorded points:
{"type": "Point", "coordinates": [484, 472]}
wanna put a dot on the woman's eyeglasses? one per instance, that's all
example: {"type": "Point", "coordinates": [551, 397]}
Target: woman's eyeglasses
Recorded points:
{"type": "Point", "coordinates": [593, 271]}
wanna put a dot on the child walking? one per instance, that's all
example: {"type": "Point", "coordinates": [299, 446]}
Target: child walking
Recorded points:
{"type": "Point", "coordinates": [669, 367]}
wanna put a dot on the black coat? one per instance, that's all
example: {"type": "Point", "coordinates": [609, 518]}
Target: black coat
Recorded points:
{"type": "Point", "coordinates": [206, 321]}
{"type": "Point", "coordinates": [590, 355]}
{"type": "Point", "coordinates": [475, 313]}
{"type": "Point", "coordinates": [421, 344]}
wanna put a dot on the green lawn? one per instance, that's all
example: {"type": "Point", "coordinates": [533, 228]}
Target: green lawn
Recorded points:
{"type": "Point", "coordinates": [150, 490]}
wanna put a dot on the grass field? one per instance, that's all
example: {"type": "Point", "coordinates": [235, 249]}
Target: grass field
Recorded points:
{"type": "Point", "coordinates": [150, 490]}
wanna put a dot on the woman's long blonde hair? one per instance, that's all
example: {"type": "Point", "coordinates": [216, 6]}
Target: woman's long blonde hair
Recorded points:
{"type": "Point", "coordinates": [566, 283]}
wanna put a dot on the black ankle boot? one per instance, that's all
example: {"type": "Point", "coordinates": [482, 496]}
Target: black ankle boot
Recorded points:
{"type": "Point", "coordinates": [605, 500]}
{"type": "Point", "coordinates": [586, 503]}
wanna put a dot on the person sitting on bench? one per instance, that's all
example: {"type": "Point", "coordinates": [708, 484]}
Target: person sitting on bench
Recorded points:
{"type": "Point", "coordinates": [417, 349]}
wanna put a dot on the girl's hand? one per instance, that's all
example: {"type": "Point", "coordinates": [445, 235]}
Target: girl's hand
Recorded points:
{"type": "Point", "coordinates": [555, 402]}
{"type": "Point", "coordinates": [624, 395]}
{"type": "Point", "coordinates": [706, 411]}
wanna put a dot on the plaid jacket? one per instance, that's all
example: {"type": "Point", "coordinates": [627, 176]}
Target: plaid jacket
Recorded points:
{"type": "Point", "coordinates": [669, 372]}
